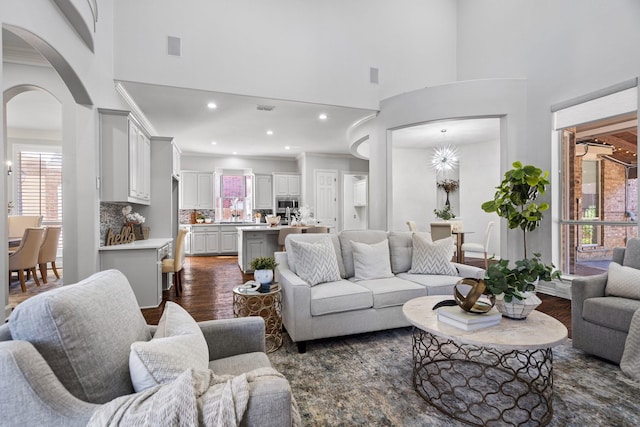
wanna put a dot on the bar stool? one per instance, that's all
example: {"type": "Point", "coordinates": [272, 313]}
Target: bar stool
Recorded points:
{"type": "Point", "coordinates": [174, 265]}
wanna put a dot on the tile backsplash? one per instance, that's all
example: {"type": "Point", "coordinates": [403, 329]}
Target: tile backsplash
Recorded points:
{"type": "Point", "coordinates": [184, 215]}
{"type": "Point", "coordinates": [111, 217]}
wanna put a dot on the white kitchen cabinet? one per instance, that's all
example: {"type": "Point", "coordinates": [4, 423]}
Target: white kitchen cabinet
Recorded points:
{"type": "Point", "coordinates": [176, 161]}
{"type": "Point", "coordinates": [263, 191]}
{"type": "Point", "coordinates": [125, 159]}
{"type": "Point", "coordinates": [196, 190]}
{"type": "Point", "coordinates": [205, 239]}
{"type": "Point", "coordinates": [228, 240]}
{"type": "Point", "coordinates": [286, 184]}
{"type": "Point", "coordinates": [360, 193]}
{"type": "Point", "coordinates": [141, 263]}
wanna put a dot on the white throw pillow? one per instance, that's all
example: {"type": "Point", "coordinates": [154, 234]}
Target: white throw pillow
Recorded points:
{"type": "Point", "coordinates": [177, 345]}
{"type": "Point", "coordinates": [623, 281]}
{"type": "Point", "coordinates": [316, 262]}
{"type": "Point", "coordinates": [371, 261]}
{"type": "Point", "coordinates": [432, 257]}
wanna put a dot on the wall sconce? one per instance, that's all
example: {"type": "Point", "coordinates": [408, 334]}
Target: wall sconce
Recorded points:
{"type": "Point", "coordinates": [9, 167]}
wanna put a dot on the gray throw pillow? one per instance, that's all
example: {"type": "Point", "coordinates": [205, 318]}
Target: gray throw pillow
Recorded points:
{"type": "Point", "coordinates": [316, 262]}
{"type": "Point", "coordinates": [623, 282]}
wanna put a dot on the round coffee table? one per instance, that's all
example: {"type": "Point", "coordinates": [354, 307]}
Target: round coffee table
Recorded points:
{"type": "Point", "coordinates": [499, 375]}
{"type": "Point", "coordinates": [268, 305]}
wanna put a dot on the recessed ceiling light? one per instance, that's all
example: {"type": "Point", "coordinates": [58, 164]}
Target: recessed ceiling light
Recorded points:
{"type": "Point", "coordinates": [213, 143]}
{"type": "Point", "coordinates": [322, 116]}
{"type": "Point", "coordinates": [212, 105]}
{"type": "Point", "coordinates": [269, 132]}
{"type": "Point", "coordinates": [286, 147]}
{"type": "Point", "coordinates": [235, 152]}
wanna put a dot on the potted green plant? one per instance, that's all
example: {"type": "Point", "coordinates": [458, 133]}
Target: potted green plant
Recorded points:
{"type": "Point", "coordinates": [263, 270]}
{"type": "Point", "coordinates": [515, 200]}
{"type": "Point", "coordinates": [445, 213]}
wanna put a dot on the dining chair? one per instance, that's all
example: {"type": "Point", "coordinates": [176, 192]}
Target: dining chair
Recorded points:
{"type": "Point", "coordinates": [18, 223]}
{"type": "Point", "coordinates": [413, 227]}
{"type": "Point", "coordinates": [26, 256]}
{"type": "Point", "coordinates": [440, 230]}
{"type": "Point", "coordinates": [284, 232]}
{"type": "Point", "coordinates": [49, 252]}
{"type": "Point", "coordinates": [317, 229]}
{"type": "Point", "coordinates": [175, 265]}
{"type": "Point", "coordinates": [480, 247]}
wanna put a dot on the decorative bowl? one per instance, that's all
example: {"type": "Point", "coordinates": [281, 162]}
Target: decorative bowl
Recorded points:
{"type": "Point", "coordinates": [207, 220]}
{"type": "Point", "coordinates": [272, 220]}
{"type": "Point", "coordinates": [199, 220]}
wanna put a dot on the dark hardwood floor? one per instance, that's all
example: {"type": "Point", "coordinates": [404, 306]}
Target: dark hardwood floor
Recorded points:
{"type": "Point", "coordinates": [209, 281]}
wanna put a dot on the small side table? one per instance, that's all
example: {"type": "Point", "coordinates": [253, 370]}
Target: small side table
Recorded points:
{"type": "Point", "coordinates": [267, 305]}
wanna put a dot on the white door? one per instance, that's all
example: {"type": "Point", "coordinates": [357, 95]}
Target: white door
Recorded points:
{"type": "Point", "coordinates": [326, 210]}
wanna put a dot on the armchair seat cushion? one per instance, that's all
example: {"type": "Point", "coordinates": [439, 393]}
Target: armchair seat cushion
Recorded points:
{"type": "Point", "coordinates": [239, 364]}
{"type": "Point", "coordinates": [611, 312]}
{"type": "Point", "coordinates": [392, 291]}
{"type": "Point", "coordinates": [339, 296]}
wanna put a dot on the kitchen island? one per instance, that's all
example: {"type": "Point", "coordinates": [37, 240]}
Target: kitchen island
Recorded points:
{"type": "Point", "coordinates": [259, 241]}
{"type": "Point", "coordinates": [141, 262]}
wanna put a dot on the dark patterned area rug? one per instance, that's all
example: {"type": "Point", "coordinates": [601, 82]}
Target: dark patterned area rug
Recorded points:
{"type": "Point", "coordinates": [366, 380]}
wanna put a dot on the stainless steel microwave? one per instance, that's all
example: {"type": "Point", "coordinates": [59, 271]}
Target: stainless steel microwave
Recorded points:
{"type": "Point", "coordinates": [283, 203]}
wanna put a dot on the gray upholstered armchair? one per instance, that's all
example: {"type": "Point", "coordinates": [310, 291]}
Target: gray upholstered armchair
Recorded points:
{"type": "Point", "coordinates": [65, 352]}
{"type": "Point", "coordinates": [600, 321]}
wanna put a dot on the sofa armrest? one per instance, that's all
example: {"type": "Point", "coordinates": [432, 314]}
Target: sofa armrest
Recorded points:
{"type": "Point", "coordinates": [296, 304]}
{"type": "Point", "coordinates": [469, 271]}
{"type": "Point", "coordinates": [31, 394]}
{"type": "Point", "coordinates": [269, 403]}
{"type": "Point", "coordinates": [230, 337]}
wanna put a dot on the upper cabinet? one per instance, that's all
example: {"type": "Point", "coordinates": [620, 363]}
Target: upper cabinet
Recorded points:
{"type": "Point", "coordinates": [360, 193]}
{"type": "Point", "coordinates": [125, 159]}
{"type": "Point", "coordinates": [286, 184]}
{"type": "Point", "coordinates": [196, 190]}
{"type": "Point", "coordinates": [176, 161]}
{"type": "Point", "coordinates": [264, 189]}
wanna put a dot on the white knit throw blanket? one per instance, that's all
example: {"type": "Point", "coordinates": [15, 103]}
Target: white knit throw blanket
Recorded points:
{"type": "Point", "coordinates": [195, 398]}
{"type": "Point", "coordinates": [630, 362]}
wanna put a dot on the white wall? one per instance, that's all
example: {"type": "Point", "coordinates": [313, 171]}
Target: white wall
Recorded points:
{"type": "Point", "coordinates": [288, 49]}
{"type": "Point", "coordinates": [261, 165]}
{"type": "Point", "coordinates": [563, 48]}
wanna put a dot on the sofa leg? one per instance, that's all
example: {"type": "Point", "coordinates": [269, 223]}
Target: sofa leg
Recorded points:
{"type": "Point", "coordinates": [302, 346]}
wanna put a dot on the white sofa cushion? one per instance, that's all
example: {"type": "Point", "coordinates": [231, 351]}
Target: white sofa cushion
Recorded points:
{"type": "Point", "coordinates": [361, 236]}
{"type": "Point", "coordinates": [432, 257]}
{"type": "Point", "coordinates": [177, 345]}
{"type": "Point", "coordinates": [312, 238]}
{"type": "Point", "coordinates": [316, 262]}
{"type": "Point", "coordinates": [371, 261]}
{"type": "Point", "coordinates": [339, 296]}
{"type": "Point", "coordinates": [392, 291]}
{"type": "Point", "coordinates": [623, 281]}
{"type": "Point", "coordinates": [435, 284]}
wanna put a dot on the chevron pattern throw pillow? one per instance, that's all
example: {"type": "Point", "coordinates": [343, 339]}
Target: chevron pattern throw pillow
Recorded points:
{"type": "Point", "coordinates": [316, 262]}
{"type": "Point", "coordinates": [432, 257]}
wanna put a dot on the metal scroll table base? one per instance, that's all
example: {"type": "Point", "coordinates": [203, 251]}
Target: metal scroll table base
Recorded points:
{"type": "Point", "coordinates": [483, 386]}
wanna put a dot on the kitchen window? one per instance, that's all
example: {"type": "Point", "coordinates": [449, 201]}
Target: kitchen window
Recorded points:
{"type": "Point", "coordinates": [234, 196]}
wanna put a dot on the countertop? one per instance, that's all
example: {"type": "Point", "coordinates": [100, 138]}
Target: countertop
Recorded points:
{"type": "Point", "coordinates": [139, 244]}
{"type": "Point", "coordinates": [232, 224]}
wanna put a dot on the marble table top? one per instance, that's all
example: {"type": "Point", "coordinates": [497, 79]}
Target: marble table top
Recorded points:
{"type": "Point", "coordinates": [537, 331]}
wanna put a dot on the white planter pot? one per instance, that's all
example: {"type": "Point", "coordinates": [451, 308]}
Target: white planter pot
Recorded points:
{"type": "Point", "coordinates": [264, 277]}
{"type": "Point", "coordinates": [518, 309]}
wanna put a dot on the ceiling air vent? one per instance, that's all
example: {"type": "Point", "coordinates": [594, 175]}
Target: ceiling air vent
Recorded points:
{"type": "Point", "coordinates": [266, 107]}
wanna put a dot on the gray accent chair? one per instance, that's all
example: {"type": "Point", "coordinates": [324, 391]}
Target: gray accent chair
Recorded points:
{"type": "Point", "coordinates": [600, 323]}
{"type": "Point", "coordinates": [66, 351]}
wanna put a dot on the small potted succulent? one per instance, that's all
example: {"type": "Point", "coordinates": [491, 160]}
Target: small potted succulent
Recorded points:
{"type": "Point", "coordinates": [263, 271]}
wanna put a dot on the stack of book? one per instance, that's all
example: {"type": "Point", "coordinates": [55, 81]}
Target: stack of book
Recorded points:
{"type": "Point", "coordinates": [455, 316]}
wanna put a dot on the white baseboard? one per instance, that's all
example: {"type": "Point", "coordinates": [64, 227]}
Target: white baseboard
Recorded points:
{"type": "Point", "coordinates": [555, 288]}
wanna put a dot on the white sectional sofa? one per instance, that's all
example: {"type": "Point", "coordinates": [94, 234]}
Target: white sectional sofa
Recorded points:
{"type": "Point", "coordinates": [351, 304]}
